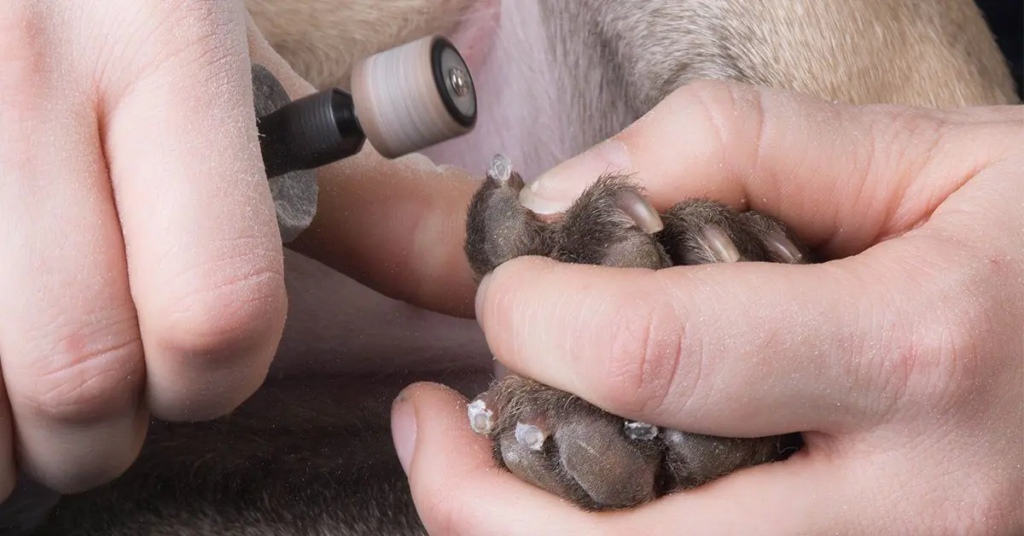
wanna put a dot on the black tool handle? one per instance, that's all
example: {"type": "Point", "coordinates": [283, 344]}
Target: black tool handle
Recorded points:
{"type": "Point", "coordinates": [310, 132]}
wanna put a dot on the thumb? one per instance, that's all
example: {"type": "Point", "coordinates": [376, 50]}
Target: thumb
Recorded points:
{"type": "Point", "coordinates": [454, 480]}
{"type": "Point", "coordinates": [842, 177]}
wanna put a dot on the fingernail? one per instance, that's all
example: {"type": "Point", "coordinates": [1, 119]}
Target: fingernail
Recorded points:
{"type": "Point", "coordinates": [555, 190]}
{"type": "Point", "coordinates": [403, 430]}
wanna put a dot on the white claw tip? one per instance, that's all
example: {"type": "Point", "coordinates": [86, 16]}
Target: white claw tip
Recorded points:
{"type": "Point", "coordinates": [530, 436]}
{"type": "Point", "coordinates": [640, 431]}
{"type": "Point", "coordinates": [481, 419]}
{"type": "Point", "coordinates": [500, 169]}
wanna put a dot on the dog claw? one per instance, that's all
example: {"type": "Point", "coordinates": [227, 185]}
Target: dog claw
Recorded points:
{"type": "Point", "coordinates": [640, 431]}
{"type": "Point", "coordinates": [500, 169]}
{"type": "Point", "coordinates": [481, 418]}
{"type": "Point", "coordinates": [783, 247]}
{"type": "Point", "coordinates": [640, 211]}
{"type": "Point", "coordinates": [719, 243]}
{"type": "Point", "coordinates": [530, 436]}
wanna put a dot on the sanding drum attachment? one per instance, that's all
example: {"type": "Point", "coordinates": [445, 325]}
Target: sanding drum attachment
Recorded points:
{"type": "Point", "coordinates": [403, 100]}
{"type": "Point", "coordinates": [413, 96]}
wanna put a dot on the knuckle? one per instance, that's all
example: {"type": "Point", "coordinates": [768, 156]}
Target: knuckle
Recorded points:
{"type": "Point", "coordinates": [182, 43]}
{"type": "Point", "coordinates": [941, 362]}
{"type": "Point", "coordinates": [716, 95]}
{"type": "Point", "coordinates": [86, 374]}
{"type": "Point", "coordinates": [729, 117]}
{"type": "Point", "coordinates": [947, 355]}
{"type": "Point", "coordinates": [904, 141]}
{"type": "Point", "coordinates": [189, 22]}
{"type": "Point", "coordinates": [221, 309]}
{"type": "Point", "coordinates": [643, 356]}
{"type": "Point", "coordinates": [714, 102]}
{"type": "Point", "coordinates": [877, 372]}
{"type": "Point", "coordinates": [948, 341]}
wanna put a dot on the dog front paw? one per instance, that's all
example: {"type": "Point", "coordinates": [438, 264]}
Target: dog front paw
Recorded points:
{"type": "Point", "coordinates": [568, 447]}
{"type": "Point", "coordinates": [559, 442]}
{"type": "Point", "coordinates": [597, 460]}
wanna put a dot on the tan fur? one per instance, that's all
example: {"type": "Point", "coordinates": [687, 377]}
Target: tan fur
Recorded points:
{"type": "Point", "coordinates": [322, 38]}
{"type": "Point", "coordinates": [937, 53]}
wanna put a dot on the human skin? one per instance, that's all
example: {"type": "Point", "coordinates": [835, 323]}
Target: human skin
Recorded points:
{"type": "Point", "coordinates": [143, 269]}
{"type": "Point", "coordinates": [901, 358]}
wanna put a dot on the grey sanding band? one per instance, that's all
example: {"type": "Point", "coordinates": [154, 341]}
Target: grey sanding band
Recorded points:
{"type": "Point", "coordinates": [294, 193]}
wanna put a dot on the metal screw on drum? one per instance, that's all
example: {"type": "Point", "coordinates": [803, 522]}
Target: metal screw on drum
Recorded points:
{"type": "Point", "coordinates": [460, 84]}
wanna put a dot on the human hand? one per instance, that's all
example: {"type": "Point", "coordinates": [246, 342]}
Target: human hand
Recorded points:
{"type": "Point", "coordinates": [142, 271]}
{"type": "Point", "coordinates": [396, 226]}
{"type": "Point", "coordinates": [901, 359]}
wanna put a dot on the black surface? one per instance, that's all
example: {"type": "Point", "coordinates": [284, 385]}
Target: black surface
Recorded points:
{"type": "Point", "coordinates": [1006, 19]}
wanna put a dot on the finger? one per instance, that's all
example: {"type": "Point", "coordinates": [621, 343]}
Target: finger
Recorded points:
{"type": "Point", "coordinates": [69, 343]}
{"type": "Point", "coordinates": [458, 489]}
{"type": "Point", "coordinates": [397, 226]}
{"type": "Point", "coordinates": [204, 253]}
{"type": "Point", "coordinates": [454, 482]}
{"type": "Point", "coordinates": [740, 349]}
{"type": "Point", "coordinates": [840, 176]}
{"type": "Point", "coordinates": [810, 493]}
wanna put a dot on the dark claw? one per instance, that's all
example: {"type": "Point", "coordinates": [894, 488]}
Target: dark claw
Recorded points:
{"type": "Point", "coordinates": [596, 229]}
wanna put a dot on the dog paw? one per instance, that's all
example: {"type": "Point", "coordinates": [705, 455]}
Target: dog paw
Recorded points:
{"type": "Point", "coordinates": [498, 228]}
{"type": "Point", "coordinates": [559, 442]}
{"type": "Point", "coordinates": [599, 461]}
{"type": "Point", "coordinates": [610, 224]}
{"type": "Point", "coordinates": [568, 447]}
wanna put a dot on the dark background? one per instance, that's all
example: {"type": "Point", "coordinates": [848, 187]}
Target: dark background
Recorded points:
{"type": "Point", "coordinates": [1006, 18]}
